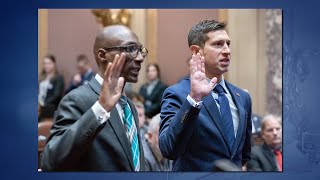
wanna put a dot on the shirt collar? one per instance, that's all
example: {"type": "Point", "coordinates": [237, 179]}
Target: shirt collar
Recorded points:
{"type": "Point", "coordinates": [99, 78]}
{"type": "Point", "coordinates": [154, 82]}
{"type": "Point", "coordinates": [222, 83]}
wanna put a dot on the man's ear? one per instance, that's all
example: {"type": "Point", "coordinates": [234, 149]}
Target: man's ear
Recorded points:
{"type": "Point", "coordinates": [102, 54]}
{"type": "Point", "coordinates": [149, 136]}
{"type": "Point", "coordinates": [195, 49]}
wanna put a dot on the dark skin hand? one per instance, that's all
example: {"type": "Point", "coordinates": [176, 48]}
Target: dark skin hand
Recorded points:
{"type": "Point", "coordinates": [113, 83]}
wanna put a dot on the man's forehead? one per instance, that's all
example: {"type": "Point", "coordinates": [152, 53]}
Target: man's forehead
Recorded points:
{"type": "Point", "coordinates": [126, 39]}
{"type": "Point", "coordinates": [273, 123]}
{"type": "Point", "coordinates": [218, 35]}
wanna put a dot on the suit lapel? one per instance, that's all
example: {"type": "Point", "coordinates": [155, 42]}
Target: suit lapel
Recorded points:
{"type": "Point", "coordinates": [211, 106]}
{"type": "Point", "coordinates": [242, 121]}
{"type": "Point", "coordinates": [269, 156]}
{"type": "Point", "coordinates": [119, 130]}
{"type": "Point", "coordinates": [116, 124]}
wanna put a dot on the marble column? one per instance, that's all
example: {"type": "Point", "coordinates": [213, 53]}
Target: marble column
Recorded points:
{"type": "Point", "coordinates": [274, 56]}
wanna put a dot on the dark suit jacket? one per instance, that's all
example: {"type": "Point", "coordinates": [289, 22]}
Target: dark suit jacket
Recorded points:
{"type": "Point", "coordinates": [194, 138]}
{"type": "Point", "coordinates": [152, 102]}
{"type": "Point", "coordinates": [54, 95]}
{"type": "Point", "coordinates": [78, 142]}
{"type": "Point", "coordinates": [263, 159]}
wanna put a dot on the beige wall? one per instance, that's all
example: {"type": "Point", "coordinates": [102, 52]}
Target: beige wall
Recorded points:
{"type": "Point", "coordinates": [172, 49]}
{"type": "Point", "coordinates": [248, 44]}
{"type": "Point", "coordinates": [71, 32]}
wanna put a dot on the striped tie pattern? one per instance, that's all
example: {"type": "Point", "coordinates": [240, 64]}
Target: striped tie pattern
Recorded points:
{"type": "Point", "coordinates": [225, 114]}
{"type": "Point", "coordinates": [132, 134]}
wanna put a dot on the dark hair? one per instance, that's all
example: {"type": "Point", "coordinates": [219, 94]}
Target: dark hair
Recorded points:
{"type": "Point", "coordinates": [198, 33]}
{"type": "Point", "coordinates": [82, 58]}
{"type": "Point", "coordinates": [51, 57]}
{"type": "Point", "coordinates": [156, 66]}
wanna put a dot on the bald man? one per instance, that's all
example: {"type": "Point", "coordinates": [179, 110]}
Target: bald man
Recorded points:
{"type": "Point", "coordinates": [96, 126]}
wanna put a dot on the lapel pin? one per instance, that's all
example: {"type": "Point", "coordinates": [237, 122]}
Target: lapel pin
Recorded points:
{"type": "Point", "coordinates": [238, 94]}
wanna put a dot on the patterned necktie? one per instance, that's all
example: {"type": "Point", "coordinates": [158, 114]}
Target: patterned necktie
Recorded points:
{"type": "Point", "coordinates": [225, 114]}
{"type": "Point", "coordinates": [132, 132]}
{"type": "Point", "coordinates": [278, 154]}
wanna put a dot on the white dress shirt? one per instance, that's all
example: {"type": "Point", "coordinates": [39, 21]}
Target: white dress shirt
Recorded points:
{"type": "Point", "coordinates": [233, 107]}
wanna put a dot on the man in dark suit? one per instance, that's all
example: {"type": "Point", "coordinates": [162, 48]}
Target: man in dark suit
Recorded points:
{"type": "Point", "coordinates": [84, 75]}
{"type": "Point", "coordinates": [96, 127]}
{"type": "Point", "coordinates": [204, 118]}
{"type": "Point", "coordinates": [268, 156]}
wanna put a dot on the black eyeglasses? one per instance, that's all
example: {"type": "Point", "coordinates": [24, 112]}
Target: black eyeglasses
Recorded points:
{"type": "Point", "coordinates": [131, 49]}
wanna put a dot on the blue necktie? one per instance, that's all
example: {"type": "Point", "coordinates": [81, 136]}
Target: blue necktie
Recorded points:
{"type": "Point", "coordinates": [132, 132]}
{"type": "Point", "coordinates": [226, 115]}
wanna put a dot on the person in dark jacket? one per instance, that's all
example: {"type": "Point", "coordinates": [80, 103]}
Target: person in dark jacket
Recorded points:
{"type": "Point", "coordinates": [152, 91]}
{"type": "Point", "coordinates": [268, 156]}
{"type": "Point", "coordinates": [51, 89]}
{"type": "Point", "coordinates": [84, 75]}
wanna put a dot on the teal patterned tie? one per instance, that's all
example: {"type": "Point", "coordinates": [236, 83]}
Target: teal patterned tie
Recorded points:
{"type": "Point", "coordinates": [131, 132]}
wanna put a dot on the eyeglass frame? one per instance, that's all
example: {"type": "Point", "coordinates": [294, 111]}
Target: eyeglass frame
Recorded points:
{"type": "Point", "coordinates": [124, 49]}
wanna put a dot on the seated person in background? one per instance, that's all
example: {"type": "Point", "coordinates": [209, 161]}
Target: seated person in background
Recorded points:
{"type": "Point", "coordinates": [84, 75]}
{"type": "Point", "coordinates": [152, 153]}
{"type": "Point", "coordinates": [256, 130]}
{"type": "Point", "coordinates": [134, 97]}
{"type": "Point", "coordinates": [142, 119]}
{"type": "Point", "coordinates": [152, 90]}
{"type": "Point", "coordinates": [268, 156]}
{"type": "Point", "coordinates": [51, 89]}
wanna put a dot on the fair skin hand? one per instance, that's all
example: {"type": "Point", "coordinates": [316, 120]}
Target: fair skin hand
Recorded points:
{"type": "Point", "coordinates": [112, 83]}
{"type": "Point", "coordinates": [76, 79]}
{"type": "Point", "coordinates": [200, 87]}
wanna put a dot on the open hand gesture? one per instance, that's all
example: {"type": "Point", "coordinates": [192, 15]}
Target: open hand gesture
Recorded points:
{"type": "Point", "coordinates": [200, 87]}
{"type": "Point", "coordinates": [112, 83]}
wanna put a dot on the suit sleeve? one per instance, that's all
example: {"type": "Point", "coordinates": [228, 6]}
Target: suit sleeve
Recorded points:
{"type": "Point", "coordinates": [177, 124]}
{"type": "Point", "coordinates": [246, 151]}
{"type": "Point", "coordinates": [71, 135]}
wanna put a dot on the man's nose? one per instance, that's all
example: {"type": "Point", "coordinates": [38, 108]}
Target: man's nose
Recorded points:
{"type": "Point", "coordinates": [226, 49]}
{"type": "Point", "coordinates": [275, 131]}
{"type": "Point", "coordinates": [139, 57]}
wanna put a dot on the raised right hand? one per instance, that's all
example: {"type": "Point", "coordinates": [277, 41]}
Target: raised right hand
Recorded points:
{"type": "Point", "coordinates": [200, 87]}
{"type": "Point", "coordinates": [112, 83]}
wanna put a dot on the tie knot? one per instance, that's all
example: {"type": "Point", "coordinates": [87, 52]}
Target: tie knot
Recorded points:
{"type": "Point", "coordinates": [219, 89]}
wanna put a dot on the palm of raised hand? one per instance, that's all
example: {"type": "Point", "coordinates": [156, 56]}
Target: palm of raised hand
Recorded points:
{"type": "Point", "coordinates": [199, 84]}
{"type": "Point", "coordinates": [112, 83]}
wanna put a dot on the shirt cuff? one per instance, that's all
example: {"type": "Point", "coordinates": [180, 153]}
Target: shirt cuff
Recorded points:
{"type": "Point", "coordinates": [194, 103]}
{"type": "Point", "coordinates": [101, 114]}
